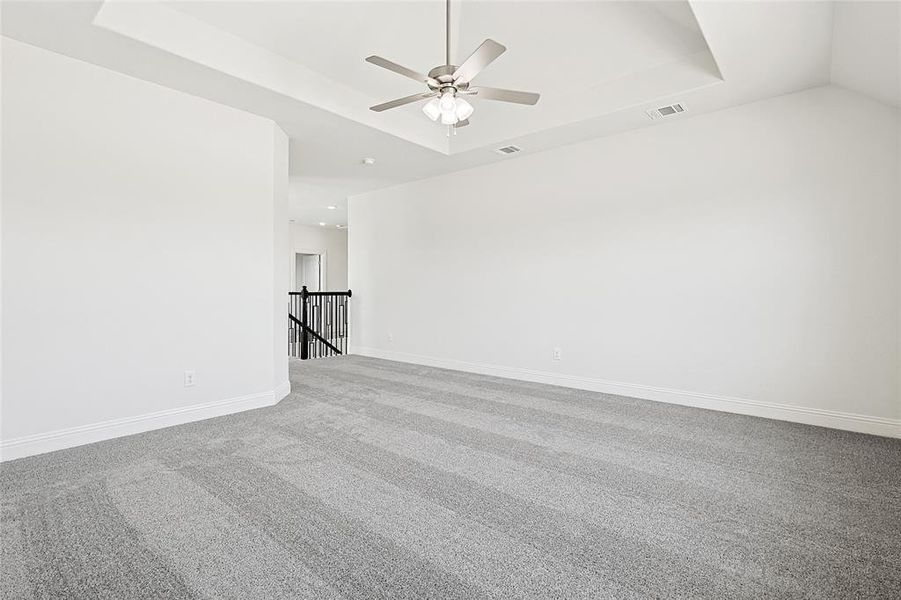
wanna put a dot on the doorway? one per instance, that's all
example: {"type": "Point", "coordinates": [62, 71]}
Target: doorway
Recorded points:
{"type": "Point", "coordinates": [307, 271]}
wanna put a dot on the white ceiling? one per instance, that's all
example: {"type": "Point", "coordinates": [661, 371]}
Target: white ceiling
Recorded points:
{"type": "Point", "coordinates": [585, 46]}
{"type": "Point", "coordinates": [638, 52]}
{"type": "Point", "coordinates": [600, 41]}
{"type": "Point", "coordinates": [598, 65]}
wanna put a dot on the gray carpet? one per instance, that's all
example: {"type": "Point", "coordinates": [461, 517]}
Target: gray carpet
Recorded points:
{"type": "Point", "coordinates": [377, 479]}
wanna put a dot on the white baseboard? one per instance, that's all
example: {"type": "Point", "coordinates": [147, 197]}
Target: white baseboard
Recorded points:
{"type": "Point", "coordinates": [783, 412]}
{"type": "Point", "coordinates": [105, 430]}
{"type": "Point", "coordinates": [281, 392]}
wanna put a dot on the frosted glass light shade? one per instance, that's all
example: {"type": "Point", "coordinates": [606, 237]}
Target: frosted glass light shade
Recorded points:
{"type": "Point", "coordinates": [447, 109]}
{"type": "Point", "coordinates": [447, 102]}
{"type": "Point", "coordinates": [431, 109]}
{"type": "Point", "coordinates": [464, 109]}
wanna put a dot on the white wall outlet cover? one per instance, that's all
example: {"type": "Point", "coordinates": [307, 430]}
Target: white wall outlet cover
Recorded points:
{"type": "Point", "coordinates": [558, 354]}
{"type": "Point", "coordinates": [190, 378]}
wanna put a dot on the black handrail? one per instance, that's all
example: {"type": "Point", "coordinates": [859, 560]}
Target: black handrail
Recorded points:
{"type": "Point", "coordinates": [348, 293]}
{"type": "Point", "coordinates": [317, 325]}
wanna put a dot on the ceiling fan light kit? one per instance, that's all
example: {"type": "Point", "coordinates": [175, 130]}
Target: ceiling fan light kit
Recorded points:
{"type": "Point", "coordinates": [447, 84]}
{"type": "Point", "coordinates": [449, 109]}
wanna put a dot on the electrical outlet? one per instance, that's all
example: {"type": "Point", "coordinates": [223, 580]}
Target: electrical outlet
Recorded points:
{"type": "Point", "coordinates": [558, 354]}
{"type": "Point", "coordinates": [390, 337]}
{"type": "Point", "coordinates": [190, 378]}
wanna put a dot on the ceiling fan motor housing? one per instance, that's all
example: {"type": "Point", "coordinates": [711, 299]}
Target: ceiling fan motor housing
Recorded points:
{"type": "Point", "coordinates": [444, 75]}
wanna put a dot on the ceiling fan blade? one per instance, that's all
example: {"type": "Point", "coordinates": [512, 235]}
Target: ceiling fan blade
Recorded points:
{"type": "Point", "coordinates": [478, 60]}
{"type": "Point", "coordinates": [489, 93]}
{"type": "Point", "coordinates": [462, 123]}
{"type": "Point", "coordinates": [402, 101]}
{"type": "Point", "coordinates": [401, 70]}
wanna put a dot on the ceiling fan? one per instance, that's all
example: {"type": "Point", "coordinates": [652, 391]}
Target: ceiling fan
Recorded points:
{"type": "Point", "coordinates": [447, 83]}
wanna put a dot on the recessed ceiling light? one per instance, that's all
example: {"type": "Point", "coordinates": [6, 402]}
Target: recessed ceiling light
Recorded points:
{"type": "Point", "coordinates": [322, 224]}
{"type": "Point", "coordinates": [331, 207]}
{"type": "Point", "coordinates": [368, 161]}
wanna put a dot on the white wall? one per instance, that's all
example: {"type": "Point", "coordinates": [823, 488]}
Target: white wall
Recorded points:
{"type": "Point", "coordinates": [743, 260]}
{"type": "Point", "coordinates": [143, 234]}
{"type": "Point", "coordinates": [866, 48]}
{"type": "Point", "coordinates": [329, 242]}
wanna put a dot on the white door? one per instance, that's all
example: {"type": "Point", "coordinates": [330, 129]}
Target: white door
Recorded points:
{"type": "Point", "coordinates": [308, 272]}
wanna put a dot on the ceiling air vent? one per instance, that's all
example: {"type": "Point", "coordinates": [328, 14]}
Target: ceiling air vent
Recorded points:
{"type": "Point", "coordinates": [665, 111]}
{"type": "Point", "coordinates": [508, 149]}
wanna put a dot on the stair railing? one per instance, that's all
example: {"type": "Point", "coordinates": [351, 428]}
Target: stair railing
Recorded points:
{"type": "Point", "coordinates": [317, 323]}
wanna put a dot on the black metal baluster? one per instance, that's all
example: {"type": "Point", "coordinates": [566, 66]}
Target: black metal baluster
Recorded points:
{"type": "Point", "coordinates": [318, 327]}
{"type": "Point", "coordinates": [304, 349]}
